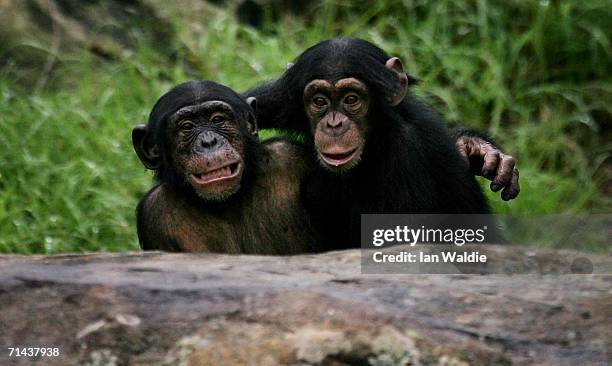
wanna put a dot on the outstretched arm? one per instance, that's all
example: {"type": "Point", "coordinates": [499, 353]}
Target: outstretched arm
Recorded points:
{"type": "Point", "coordinates": [270, 105]}
{"type": "Point", "coordinates": [480, 152]}
{"type": "Point", "coordinates": [485, 158]}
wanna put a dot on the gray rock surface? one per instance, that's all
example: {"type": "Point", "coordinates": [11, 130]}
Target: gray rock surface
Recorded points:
{"type": "Point", "coordinates": [208, 309]}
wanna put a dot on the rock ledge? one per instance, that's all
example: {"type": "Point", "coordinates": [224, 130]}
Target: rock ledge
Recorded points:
{"type": "Point", "coordinates": [184, 309]}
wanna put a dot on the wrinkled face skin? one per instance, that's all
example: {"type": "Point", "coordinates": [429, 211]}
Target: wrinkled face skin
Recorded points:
{"type": "Point", "coordinates": [337, 112]}
{"type": "Point", "coordinates": [207, 148]}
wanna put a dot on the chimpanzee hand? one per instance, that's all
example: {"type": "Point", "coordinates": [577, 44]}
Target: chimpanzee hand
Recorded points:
{"type": "Point", "coordinates": [487, 160]}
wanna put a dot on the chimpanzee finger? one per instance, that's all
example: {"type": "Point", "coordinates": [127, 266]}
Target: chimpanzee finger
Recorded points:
{"type": "Point", "coordinates": [512, 190]}
{"type": "Point", "coordinates": [504, 172]}
{"type": "Point", "coordinates": [491, 161]}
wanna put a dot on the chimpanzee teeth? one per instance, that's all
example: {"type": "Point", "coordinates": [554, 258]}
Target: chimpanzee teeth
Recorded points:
{"type": "Point", "coordinates": [217, 173]}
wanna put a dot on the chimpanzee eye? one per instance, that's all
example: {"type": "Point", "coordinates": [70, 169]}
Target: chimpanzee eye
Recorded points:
{"type": "Point", "coordinates": [187, 125]}
{"type": "Point", "coordinates": [217, 118]}
{"type": "Point", "coordinates": [319, 101]}
{"type": "Point", "coordinates": [351, 99]}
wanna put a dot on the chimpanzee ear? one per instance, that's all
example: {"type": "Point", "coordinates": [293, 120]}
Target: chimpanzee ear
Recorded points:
{"type": "Point", "coordinates": [145, 148]}
{"type": "Point", "coordinates": [252, 102]}
{"type": "Point", "coordinates": [394, 64]}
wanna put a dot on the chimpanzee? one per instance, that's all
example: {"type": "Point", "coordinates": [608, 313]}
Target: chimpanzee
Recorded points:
{"type": "Point", "coordinates": [380, 150]}
{"type": "Point", "coordinates": [219, 189]}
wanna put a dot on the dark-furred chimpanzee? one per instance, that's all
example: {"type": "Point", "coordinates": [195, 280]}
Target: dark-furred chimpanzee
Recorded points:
{"type": "Point", "coordinates": [219, 189]}
{"type": "Point", "coordinates": [380, 150]}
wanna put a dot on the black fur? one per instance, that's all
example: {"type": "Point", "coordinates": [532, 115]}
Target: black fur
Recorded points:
{"type": "Point", "coordinates": [409, 165]}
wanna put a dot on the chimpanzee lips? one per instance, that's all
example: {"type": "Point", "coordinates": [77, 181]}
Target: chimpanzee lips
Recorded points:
{"type": "Point", "coordinates": [337, 159]}
{"type": "Point", "coordinates": [226, 172]}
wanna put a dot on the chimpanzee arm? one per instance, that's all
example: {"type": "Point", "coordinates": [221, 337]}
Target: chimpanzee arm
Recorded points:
{"type": "Point", "coordinates": [482, 154]}
{"type": "Point", "coordinates": [269, 105]}
{"type": "Point", "coordinates": [486, 158]}
{"type": "Point", "coordinates": [278, 108]}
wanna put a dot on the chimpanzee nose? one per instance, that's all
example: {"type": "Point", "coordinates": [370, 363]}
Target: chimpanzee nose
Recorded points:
{"type": "Point", "coordinates": [336, 123]}
{"type": "Point", "coordinates": [208, 140]}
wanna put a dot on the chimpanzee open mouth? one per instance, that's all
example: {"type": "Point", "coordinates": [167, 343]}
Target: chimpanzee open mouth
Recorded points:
{"type": "Point", "coordinates": [338, 158]}
{"type": "Point", "coordinates": [225, 172]}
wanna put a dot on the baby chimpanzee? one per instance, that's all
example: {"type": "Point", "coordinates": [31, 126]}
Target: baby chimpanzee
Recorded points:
{"type": "Point", "coordinates": [219, 189]}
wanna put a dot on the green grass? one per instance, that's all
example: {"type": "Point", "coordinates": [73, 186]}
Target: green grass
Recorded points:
{"type": "Point", "coordinates": [535, 74]}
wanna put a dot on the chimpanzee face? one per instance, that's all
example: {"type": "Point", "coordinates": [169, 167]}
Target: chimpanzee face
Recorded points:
{"type": "Point", "coordinates": [207, 148]}
{"type": "Point", "coordinates": [197, 137]}
{"type": "Point", "coordinates": [337, 112]}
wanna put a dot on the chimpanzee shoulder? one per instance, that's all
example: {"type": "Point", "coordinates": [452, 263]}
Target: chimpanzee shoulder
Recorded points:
{"type": "Point", "coordinates": [284, 152]}
{"type": "Point", "coordinates": [285, 166]}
